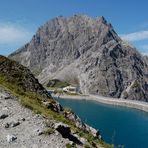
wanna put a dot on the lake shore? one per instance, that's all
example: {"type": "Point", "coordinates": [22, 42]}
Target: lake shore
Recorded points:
{"type": "Point", "coordinates": [106, 100]}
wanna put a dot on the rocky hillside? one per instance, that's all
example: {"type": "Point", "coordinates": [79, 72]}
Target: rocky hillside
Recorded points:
{"type": "Point", "coordinates": [146, 59]}
{"type": "Point", "coordinates": [22, 128]}
{"type": "Point", "coordinates": [29, 116]}
{"type": "Point", "coordinates": [19, 75]}
{"type": "Point", "coordinates": [86, 51]}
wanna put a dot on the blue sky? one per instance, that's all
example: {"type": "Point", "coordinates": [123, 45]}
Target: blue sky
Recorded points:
{"type": "Point", "coordinates": [19, 19]}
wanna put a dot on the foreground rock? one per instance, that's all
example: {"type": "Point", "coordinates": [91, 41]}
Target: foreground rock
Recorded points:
{"type": "Point", "coordinates": [3, 116]}
{"type": "Point", "coordinates": [86, 51]}
{"type": "Point", "coordinates": [12, 124]}
{"type": "Point", "coordinates": [29, 132]}
{"type": "Point", "coordinates": [11, 138]}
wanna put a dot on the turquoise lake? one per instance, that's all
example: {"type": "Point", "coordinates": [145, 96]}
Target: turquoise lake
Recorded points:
{"type": "Point", "coordinates": [118, 125]}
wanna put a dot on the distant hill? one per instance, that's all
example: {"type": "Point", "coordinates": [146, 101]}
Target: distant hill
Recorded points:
{"type": "Point", "coordinates": [88, 52]}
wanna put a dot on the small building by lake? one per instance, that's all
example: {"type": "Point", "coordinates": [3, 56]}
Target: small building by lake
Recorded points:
{"type": "Point", "coordinates": [71, 89]}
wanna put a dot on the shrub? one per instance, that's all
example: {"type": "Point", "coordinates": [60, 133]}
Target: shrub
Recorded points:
{"type": "Point", "coordinates": [68, 110]}
{"type": "Point", "coordinates": [135, 84]}
{"type": "Point", "coordinates": [68, 145]}
{"type": "Point", "coordinates": [49, 131]}
{"type": "Point", "coordinates": [125, 94]}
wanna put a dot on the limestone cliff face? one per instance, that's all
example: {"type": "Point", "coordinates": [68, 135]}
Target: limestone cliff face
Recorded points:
{"type": "Point", "coordinates": [146, 60]}
{"type": "Point", "coordinates": [86, 51]}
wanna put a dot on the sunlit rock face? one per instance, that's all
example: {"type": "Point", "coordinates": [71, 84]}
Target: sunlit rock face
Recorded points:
{"type": "Point", "coordinates": [86, 51]}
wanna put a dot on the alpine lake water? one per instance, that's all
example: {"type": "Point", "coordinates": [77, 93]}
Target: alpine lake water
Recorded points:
{"type": "Point", "coordinates": [118, 125]}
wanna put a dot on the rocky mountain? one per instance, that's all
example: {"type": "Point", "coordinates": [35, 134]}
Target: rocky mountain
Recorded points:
{"type": "Point", "coordinates": [30, 117]}
{"type": "Point", "coordinates": [88, 52]}
{"type": "Point", "coordinates": [146, 59]}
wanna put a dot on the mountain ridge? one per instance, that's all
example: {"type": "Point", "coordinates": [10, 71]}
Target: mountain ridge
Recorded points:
{"type": "Point", "coordinates": [86, 51]}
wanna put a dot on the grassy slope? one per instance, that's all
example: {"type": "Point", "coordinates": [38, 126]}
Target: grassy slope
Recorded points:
{"type": "Point", "coordinates": [55, 83]}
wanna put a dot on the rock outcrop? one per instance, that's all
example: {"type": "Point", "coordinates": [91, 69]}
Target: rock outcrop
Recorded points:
{"type": "Point", "coordinates": [17, 74]}
{"type": "Point", "coordinates": [146, 59]}
{"type": "Point", "coordinates": [86, 51]}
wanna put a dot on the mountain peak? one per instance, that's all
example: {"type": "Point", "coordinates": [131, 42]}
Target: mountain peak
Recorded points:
{"type": "Point", "coordinates": [102, 19]}
{"type": "Point", "coordinates": [88, 51]}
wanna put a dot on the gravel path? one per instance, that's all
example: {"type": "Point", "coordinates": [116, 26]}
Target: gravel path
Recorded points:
{"type": "Point", "coordinates": [20, 128]}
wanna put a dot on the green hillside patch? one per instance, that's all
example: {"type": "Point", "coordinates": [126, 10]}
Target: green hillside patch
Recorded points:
{"type": "Point", "coordinates": [57, 83]}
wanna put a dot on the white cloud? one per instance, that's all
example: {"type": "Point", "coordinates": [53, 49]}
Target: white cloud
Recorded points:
{"type": "Point", "coordinates": [145, 53]}
{"type": "Point", "coordinates": [145, 49]}
{"type": "Point", "coordinates": [13, 34]}
{"type": "Point", "coordinates": [136, 36]}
